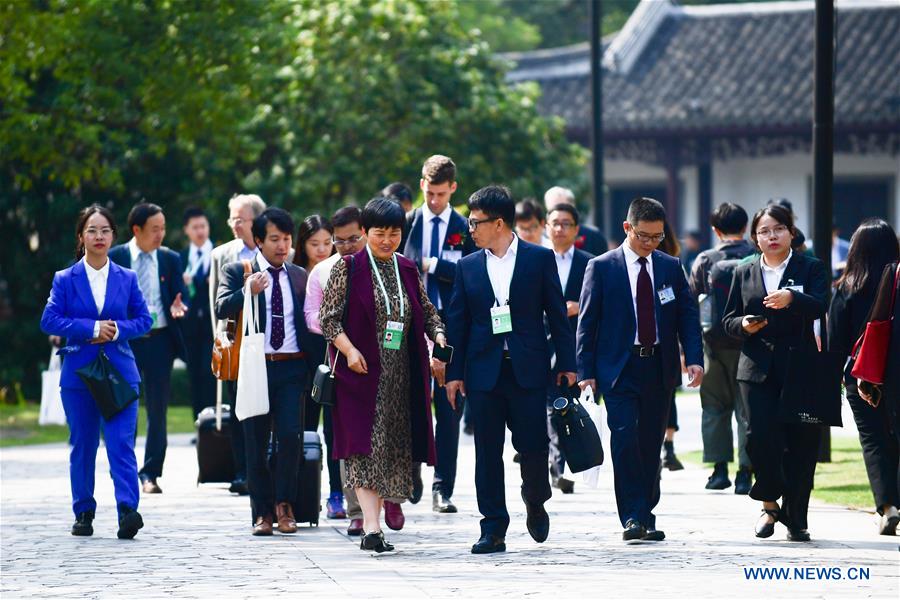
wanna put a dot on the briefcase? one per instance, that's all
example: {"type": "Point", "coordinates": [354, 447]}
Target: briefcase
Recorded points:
{"type": "Point", "coordinates": [215, 461]}
{"type": "Point", "coordinates": [578, 435]}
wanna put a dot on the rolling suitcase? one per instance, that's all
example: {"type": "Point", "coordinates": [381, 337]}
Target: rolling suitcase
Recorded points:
{"type": "Point", "coordinates": [214, 459]}
{"type": "Point", "coordinates": [308, 503]}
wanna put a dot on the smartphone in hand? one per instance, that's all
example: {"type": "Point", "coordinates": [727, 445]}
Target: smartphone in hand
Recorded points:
{"type": "Point", "coordinates": [443, 353]}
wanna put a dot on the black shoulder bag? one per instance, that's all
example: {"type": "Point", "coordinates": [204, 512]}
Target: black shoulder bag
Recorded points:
{"type": "Point", "coordinates": [110, 390]}
{"type": "Point", "coordinates": [323, 381]}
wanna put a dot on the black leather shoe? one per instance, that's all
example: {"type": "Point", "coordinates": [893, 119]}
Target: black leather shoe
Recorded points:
{"type": "Point", "coordinates": [633, 531]}
{"type": "Point", "coordinates": [239, 486]}
{"type": "Point", "coordinates": [418, 487]}
{"type": "Point", "coordinates": [130, 522]}
{"type": "Point", "coordinates": [488, 544]}
{"type": "Point", "coordinates": [670, 461]}
{"type": "Point", "coordinates": [719, 478]}
{"type": "Point", "coordinates": [654, 535]}
{"type": "Point", "coordinates": [537, 522]}
{"type": "Point", "coordinates": [516, 458]}
{"type": "Point", "coordinates": [798, 535]}
{"type": "Point", "coordinates": [441, 503]}
{"type": "Point", "coordinates": [468, 429]}
{"type": "Point", "coordinates": [566, 486]}
{"type": "Point", "coordinates": [84, 524]}
{"type": "Point", "coordinates": [743, 481]}
{"type": "Point", "coordinates": [376, 542]}
{"type": "Point", "coordinates": [765, 529]}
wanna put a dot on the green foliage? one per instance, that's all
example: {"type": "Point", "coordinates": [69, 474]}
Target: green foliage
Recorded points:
{"type": "Point", "coordinates": [310, 103]}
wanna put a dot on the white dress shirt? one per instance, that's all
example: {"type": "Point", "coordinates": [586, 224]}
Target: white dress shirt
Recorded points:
{"type": "Point", "coordinates": [564, 265]}
{"type": "Point", "coordinates": [772, 275]}
{"type": "Point", "coordinates": [154, 297]}
{"type": "Point", "coordinates": [195, 262]}
{"type": "Point", "coordinates": [634, 269]}
{"type": "Point", "coordinates": [287, 296]}
{"type": "Point", "coordinates": [500, 270]}
{"type": "Point", "coordinates": [97, 279]}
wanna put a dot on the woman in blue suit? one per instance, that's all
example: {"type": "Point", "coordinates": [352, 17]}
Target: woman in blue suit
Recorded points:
{"type": "Point", "coordinates": [97, 304]}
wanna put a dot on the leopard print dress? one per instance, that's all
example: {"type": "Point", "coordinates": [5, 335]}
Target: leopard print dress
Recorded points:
{"type": "Point", "coordinates": [388, 469]}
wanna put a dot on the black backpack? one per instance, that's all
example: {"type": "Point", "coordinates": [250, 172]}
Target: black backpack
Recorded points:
{"type": "Point", "coordinates": [712, 305]}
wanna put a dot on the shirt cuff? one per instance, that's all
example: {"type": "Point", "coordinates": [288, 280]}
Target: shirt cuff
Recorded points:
{"type": "Point", "coordinates": [433, 266]}
{"type": "Point", "coordinates": [96, 329]}
{"type": "Point", "coordinates": [116, 336]}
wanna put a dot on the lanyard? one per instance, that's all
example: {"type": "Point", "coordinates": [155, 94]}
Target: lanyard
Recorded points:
{"type": "Point", "coordinates": [387, 299]}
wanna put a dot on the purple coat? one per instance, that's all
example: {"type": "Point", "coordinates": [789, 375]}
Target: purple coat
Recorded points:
{"type": "Point", "coordinates": [354, 410]}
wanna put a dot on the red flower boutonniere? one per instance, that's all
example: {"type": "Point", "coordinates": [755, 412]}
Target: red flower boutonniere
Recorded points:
{"type": "Point", "coordinates": [454, 239]}
{"type": "Point", "coordinates": [162, 277]}
{"type": "Point", "coordinates": [579, 243]}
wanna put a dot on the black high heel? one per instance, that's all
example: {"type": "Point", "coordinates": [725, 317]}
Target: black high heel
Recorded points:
{"type": "Point", "coordinates": [768, 528]}
{"type": "Point", "coordinates": [375, 541]}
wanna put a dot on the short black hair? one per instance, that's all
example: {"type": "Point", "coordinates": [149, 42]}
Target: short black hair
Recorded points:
{"type": "Point", "coordinates": [783, 202]}
{"type": "Point", "coordinates": [192, 212]}
{"type": "Point", "coordinates": [782, 216]}
{"type": "Point", "coordinates": [278, 217]}
{"type": "Point", "coordinates": [729, 218]}
{"type": "Point", "coordinates": [645, 209]}
{"type": "Point", "coordinates": [383, 213]}
{"type": "Point", "coordinates": [495, 201]}
{"type": "Point", "coordinates": [566, 208]}
{"type": "Point", "coordinates": [398, 190]}
{"type": "Point", "coordinates": [529, 209]}
{"type": "Point", "coordinates": [139, 214]}
{"type": "Point", "coordinates": [346, 215]}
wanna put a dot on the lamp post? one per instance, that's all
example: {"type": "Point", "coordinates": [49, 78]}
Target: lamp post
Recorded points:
{"type": "Point", "coordinates": [596, 9]}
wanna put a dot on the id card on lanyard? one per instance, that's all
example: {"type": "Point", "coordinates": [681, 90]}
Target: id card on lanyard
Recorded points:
{"type": "Point", "coordinates": [393, 333]}
{"type": "Point", "coordinates": [501, 319]}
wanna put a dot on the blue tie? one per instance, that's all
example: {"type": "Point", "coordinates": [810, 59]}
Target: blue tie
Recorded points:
{"type": "Point", "coordinates": [434, 293]}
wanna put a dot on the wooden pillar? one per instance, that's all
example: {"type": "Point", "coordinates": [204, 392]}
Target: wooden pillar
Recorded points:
{"type": "Point", "coordinates": [673, 164]}
{"type": "Point", "coordinates": [704, 189]}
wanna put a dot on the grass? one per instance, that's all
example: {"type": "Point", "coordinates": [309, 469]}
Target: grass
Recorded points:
{"type": "Point", "coordinates": [843, 481]}
{"type": "Point", "coordinates": [19, 425]}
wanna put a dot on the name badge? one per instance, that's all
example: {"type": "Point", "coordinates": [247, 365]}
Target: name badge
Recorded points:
{"type": "Point", "coordinates": [794, 288]}
{"type": "Point", "coordinates": [501, 319]}
{"type": "Point", "coordinates": [666, 295]}
{"type": "Point", "coordinates": [451, 255]}
{"type": "Point", "coordinates": [155, 318]}
{"type": "Point", "coordinates": [393, 335]}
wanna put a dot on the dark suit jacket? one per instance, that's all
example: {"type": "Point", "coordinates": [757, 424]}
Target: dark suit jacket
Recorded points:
{"type": "Point", "coordinates": [594, 241]}
{"type": "Point", "coordinates": [607, 324]}
{"type": "Point", "coordinates": [171, 283]}
{"type": "Point", "coordinates": [788, 327]}
{"type": "Point", "coordinates": [230, 297]}
{"type": "Point", "coordinates": [445, 270]}
{"type": "Point", "coordinates": [196, 321]}
{"type": "Point", "coordinates": [572, 293]}
{"type": "Point", "coordinates": [534, 291]}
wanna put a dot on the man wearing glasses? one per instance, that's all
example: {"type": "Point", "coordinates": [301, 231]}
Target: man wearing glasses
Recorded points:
{"type": "Point", "coordinates": [635, 309]}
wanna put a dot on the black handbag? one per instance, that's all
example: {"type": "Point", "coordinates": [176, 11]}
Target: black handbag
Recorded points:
{"type": "Point", "coordinates": [578, 434]}
{"type": "Point", "coordinates": [322, 391]}
{"type": "Point", "coordinates": [811, 393]}
{"type": "Point", "coordinates": [107, 386]}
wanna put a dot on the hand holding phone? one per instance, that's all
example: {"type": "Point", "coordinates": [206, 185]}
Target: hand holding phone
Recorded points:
{"type": "Point", "coordinates": [442, 353]}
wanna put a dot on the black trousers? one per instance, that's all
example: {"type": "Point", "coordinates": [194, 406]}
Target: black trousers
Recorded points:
{"type": "Point", "coordinates": [637, 414]}
{"type": "Point", "coordinates": [199, 342]}
{"type": "Point", "coordinates": [313, 413]}
{"type": "Point", "coordinates": [783, 455]}
{"type": "Point", "coordinates": [524, 412]}
{"type": "Point", "coordinates": [154, 355]}
{"type": "Point", "coordinates": [238, 447]}
{"type": "Point", "coordinates": [881, 451]}
{"type": "Point", "coordinates": [268, 487]}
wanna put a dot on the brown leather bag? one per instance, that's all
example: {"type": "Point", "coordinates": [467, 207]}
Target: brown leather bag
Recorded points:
{"type": "Point", "coordinates": [226, 351]}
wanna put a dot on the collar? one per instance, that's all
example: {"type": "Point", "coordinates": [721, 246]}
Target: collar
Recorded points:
{"type": "Point", "coordinates": [512, 250]}
{"type": "Point", "coordinates": [427, 215]}
{"type": "Point", "coordinates": [205, 248]}
{"type": "Point", "coordinates": [567, 255]}
{"type": "Point", "coordinates": [781, 267]}
{"type": "Point", "coordinates": [135, 251]}
{"type": "Point", "coordinates": [92, 272]}
{"type": "Point", "coordinates": [632, 257]}
{"type": "Point", "coordinates": [264, 264]}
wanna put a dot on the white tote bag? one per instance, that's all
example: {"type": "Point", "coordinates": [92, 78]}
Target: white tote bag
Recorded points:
{"type": "Point", "coordinates": [591, 477]}
{"type": "Point", "coordinates": [252, 385]}
{"type": "Point", "coordinates": [52, 412]}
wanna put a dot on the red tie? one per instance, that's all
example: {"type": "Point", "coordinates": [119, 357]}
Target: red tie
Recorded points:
{"type": "Point", "coordinates": [646, 311]}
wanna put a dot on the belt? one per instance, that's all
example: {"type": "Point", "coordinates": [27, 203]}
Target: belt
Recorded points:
{"type": "Point", "coordinates": [285, 356]}
{"type": "Point", "coordinates": [644, 351]}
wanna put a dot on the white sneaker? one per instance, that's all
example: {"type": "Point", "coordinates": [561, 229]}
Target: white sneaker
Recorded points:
{"type": "Point", "coordinates": [887, 523]}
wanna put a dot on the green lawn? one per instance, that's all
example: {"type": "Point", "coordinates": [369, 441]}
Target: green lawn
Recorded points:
{"type": "Point", "coordinates": [19, 426]}
{"type": "Point", "coordinates": [843, 481]}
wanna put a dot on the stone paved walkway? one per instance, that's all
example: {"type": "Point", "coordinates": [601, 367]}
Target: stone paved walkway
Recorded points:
{"type": "Point", "coordinates": [196, 543]}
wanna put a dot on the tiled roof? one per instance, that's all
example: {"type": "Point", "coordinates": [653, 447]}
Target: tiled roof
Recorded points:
{"type": "Point", "coordinates": [732, 68]}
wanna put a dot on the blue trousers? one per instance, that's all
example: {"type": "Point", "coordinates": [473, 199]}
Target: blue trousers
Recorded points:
{"type": "Point", "coordinates": [446, 442]}
{"type": "Point", "coordinates": [638, 412]}
{"type": "Point", "coordinates": [85, 423]}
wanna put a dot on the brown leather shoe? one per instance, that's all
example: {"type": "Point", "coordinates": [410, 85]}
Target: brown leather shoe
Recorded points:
{"type": "Point", "coordinates": [263, 525]}
{"type": "Point", "coordinates": [151, 487]}
{"type": "Point", "coordinates": [286, 522]}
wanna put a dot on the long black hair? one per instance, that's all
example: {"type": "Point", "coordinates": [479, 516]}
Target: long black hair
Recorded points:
{"type": "Point", "coordinates": [83, 216]}
{"type": "Point", "coordinates": [308, 228]}
{"type": "Point", "coordinates": [873, 246]}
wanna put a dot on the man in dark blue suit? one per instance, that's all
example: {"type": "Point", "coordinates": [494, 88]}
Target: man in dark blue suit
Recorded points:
{"type": "Point", "coordinates": [438, 238]}
{"type": "Point", "coordinates": [495, 321]}
{"type": "Point", "coordinates": [635, 309]}
{"type": "Point", "coordinates": [160, 278]}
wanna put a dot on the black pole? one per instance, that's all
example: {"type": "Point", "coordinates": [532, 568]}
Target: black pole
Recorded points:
{"type": "Point", "coordinates": [596, 10]}
{"type": "Point", "coordinates": [823, 152]}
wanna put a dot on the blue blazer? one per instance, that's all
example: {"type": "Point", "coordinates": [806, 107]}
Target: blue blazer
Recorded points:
{"type": "Point", "coordinates": [533, 291]}
{"type": "Point", "coordinates": [71, 313]}
{"type": "Point", "coordinates": [445, 271]}
{"type": "Point", "coordinates": [607, 325]}
{"type": "Point", "coordinates": [171, 283]}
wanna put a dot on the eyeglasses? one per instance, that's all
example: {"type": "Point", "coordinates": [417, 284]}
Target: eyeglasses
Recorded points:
{"type": "Point", "coordinates": [474, 223]}
{"type": "Point", "coordinates": [646, 238]}
{"type": "Point", "coordinates": [348, 242]}
{"type": "Point", "coordinates": [564, 225]}
{"type": "Point", "coordinates": [776, 231]}
{"type": "Point", "coordinates": [94, 232]}
{"type": "Point", "coordinates": [528, 229]}
{"type": "Point", "coordinates": [234, 222]}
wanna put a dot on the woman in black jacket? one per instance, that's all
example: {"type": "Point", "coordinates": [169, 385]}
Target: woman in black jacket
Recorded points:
{"type": "Point", "coordinates": [773, 302]}
{"type": "Point", "coordinates": [872, 248]}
